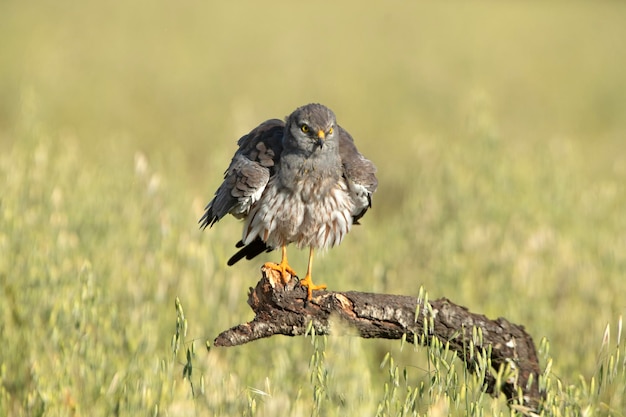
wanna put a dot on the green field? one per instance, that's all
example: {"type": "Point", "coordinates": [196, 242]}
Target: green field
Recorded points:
{"type": "Point", "coordinates": [499, 132]}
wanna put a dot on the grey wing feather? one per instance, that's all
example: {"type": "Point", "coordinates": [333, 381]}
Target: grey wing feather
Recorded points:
{"type": "Point", "coordinates": [359, 172]}
{"type": "Point", "coordinates": [248, 173]}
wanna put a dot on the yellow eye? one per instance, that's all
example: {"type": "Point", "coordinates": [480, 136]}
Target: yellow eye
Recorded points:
{"type": "Point", "coordinates": [330, 131]}
{"type": "Point", "coordinates": [305, 128]}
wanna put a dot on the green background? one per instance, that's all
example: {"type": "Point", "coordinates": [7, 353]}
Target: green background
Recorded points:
{"type": "Point", "coordinates": [498, 130]}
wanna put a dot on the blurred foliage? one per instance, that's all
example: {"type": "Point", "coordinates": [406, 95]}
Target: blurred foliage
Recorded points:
{"type": "Point", "coordinates": [499, 133]}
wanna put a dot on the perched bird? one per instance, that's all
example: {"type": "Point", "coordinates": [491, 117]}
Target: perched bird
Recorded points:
{"type": "Point", "coordinates": [302, 181]}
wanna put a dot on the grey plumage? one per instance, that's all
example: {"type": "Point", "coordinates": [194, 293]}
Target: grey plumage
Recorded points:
{"type": "Point", "coordinates": [302, 182]}
{"type": "Point", "coordinates": [248, 173]}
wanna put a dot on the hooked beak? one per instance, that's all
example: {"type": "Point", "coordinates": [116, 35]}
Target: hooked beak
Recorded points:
{"type": "Point", "coordinates": [321, 136]}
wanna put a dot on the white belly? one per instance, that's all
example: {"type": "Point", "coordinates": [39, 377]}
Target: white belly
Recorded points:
{"type": "Point", "coordinates": [301, 216]}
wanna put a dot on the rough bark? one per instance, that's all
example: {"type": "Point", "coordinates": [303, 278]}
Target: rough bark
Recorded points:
{"type": "Point", "coordinates": [283, 309]}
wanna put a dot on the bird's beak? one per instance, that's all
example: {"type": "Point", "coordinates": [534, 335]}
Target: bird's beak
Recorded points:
{"type": "Point", "coordinates": [320, 138]}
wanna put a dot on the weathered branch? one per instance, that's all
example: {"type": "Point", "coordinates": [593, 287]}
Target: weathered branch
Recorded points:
{"type": "Point", "coordinates": [282, 309]}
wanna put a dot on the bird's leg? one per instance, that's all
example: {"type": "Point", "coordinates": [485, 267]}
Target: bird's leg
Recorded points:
{"type": "Point", "coordinates": [286, 272]}
{"type": "Point", "coordinates": [308, 282]}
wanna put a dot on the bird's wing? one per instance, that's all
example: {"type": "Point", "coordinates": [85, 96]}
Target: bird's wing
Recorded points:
{"type": "Point", "coordinates": [360, 174]}
{"type": "Point", "coordinates": [249, 171]}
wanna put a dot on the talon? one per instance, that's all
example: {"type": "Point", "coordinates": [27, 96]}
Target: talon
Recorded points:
{"type": "Point", "coordinates": [286, 271]}
{"type": "Point", "coordinates": [308, 282]}
{"type": "Point", "coordinates": [310, 287]}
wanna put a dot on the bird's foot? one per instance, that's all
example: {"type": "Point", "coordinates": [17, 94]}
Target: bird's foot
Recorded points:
{"type": "Point", "coordinates": [310, 287]}
{"type": "Point", "coordinates": [286, 272]}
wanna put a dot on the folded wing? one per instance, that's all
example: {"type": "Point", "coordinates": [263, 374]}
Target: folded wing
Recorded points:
{"type": "Point", "coordinates": [360, 174]}
{"type": "Point", "coordinates": [248, 173]}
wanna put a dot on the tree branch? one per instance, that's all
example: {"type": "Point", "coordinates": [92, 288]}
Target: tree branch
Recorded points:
{"type": "Point", "coordinates": [282, 309]}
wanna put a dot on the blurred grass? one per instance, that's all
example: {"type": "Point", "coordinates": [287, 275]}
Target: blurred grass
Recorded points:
{"type": "Point", "coordinates": [498, 130]}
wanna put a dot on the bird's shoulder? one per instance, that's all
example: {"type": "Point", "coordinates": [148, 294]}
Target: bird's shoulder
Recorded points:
{"type": "Point", "coordinates": [263, 145]}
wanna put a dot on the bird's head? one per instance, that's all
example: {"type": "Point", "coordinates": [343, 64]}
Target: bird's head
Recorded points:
{"type": "Point", "coordinates": [311, 128]}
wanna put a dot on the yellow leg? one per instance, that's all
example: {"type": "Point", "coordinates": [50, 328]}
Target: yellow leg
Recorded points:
{"type": "Point", "coordinates": [308, 282]}
{"type": "Point", "coordinates": [286, 272]}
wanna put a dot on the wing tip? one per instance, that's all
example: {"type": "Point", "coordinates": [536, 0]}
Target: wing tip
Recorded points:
{"type": "Point", "coordinates": [208, 219]}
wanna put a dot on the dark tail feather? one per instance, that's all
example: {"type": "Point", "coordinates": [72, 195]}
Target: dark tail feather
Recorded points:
{"type": "Point", "coordinates": [249, 251]}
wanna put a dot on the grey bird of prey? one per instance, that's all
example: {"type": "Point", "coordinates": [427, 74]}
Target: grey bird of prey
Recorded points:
{"type": "Point", "coordinates": [301, 181]}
